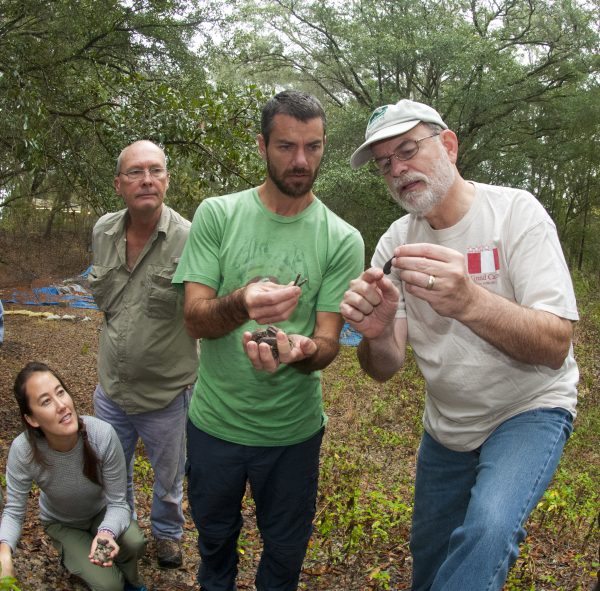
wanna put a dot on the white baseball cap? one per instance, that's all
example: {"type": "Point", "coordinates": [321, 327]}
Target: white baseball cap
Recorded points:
{"type": "Point", "coordinates": [391, 120]}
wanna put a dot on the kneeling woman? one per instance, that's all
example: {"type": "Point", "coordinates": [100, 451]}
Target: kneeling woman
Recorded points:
{"type": "Point", "coordinates": [78, 464]}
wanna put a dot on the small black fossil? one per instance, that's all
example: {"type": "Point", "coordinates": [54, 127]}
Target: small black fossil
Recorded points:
{"type": "Point", "coordinates": [299, 281]}
{"type": "Point", "coordinates": [387, 268]}
{"type": "Point", "coordinates": [269, 336]}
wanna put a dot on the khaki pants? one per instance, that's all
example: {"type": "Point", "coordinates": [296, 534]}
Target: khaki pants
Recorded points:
{"type": "Point", "coordinates": [74, 546]}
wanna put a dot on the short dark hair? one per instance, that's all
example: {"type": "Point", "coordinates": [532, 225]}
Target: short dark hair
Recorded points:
{"type": "Point", "coordinates": [295, 103]}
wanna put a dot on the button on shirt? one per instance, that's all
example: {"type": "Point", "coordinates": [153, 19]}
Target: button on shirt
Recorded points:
{"type": "Point", "coordinates": [146, 358]}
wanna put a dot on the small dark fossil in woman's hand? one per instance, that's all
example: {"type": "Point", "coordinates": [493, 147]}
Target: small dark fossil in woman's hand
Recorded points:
{"type": "Point", "coordinates": [103, 551]}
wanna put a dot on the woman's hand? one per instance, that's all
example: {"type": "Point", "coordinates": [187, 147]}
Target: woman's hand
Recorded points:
{"type": "Point", "coordinates": [104, 549]}
{"type": "Point", "coordinates": [6, 561]}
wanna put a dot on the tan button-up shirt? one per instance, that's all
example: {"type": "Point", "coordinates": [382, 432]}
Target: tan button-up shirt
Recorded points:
{"type": "Point", "coordinates": [146, 358]}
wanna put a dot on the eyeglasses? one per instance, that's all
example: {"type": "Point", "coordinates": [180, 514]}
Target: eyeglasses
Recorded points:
{"type": "Point", "coordinates": [405, 151]}
{"type": "Point", "coordinates": [137, 174]}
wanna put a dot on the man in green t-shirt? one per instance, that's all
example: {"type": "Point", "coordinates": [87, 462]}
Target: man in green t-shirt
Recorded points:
{"type": "Point", "coordinates": [273, 254]}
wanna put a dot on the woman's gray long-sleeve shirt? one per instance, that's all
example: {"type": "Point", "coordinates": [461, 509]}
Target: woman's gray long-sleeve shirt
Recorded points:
{"type": "Point", "coordinates": [67, 496]}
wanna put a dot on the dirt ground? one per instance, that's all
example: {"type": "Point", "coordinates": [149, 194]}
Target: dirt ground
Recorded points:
{"type": "Point", "coordinates": [68, 343]}
{"type": "Point", "coordinates": [70, 347]}
{"type": "Point", "coordinates": [558, 558]}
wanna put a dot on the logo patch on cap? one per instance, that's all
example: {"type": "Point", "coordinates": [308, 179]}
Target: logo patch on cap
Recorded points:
{"type": "Point", "coordinates": [376, 116]}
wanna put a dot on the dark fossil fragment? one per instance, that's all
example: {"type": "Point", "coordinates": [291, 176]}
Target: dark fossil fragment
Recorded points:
{"type": "Point", "coordinates": [103, 551]}
{"type": "Point", "coordinates": [269, 336]}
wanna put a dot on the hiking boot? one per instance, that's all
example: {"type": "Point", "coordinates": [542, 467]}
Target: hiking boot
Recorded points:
{"type": "Point", "coordinates": [168, 553]}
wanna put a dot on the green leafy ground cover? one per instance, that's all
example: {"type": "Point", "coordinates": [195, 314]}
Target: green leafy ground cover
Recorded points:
{"type": "Point", "coordinates": [367, 473]}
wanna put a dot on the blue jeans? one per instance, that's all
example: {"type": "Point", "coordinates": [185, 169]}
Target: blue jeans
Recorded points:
{"type": "Point", "coordinates": [163, 434]}
{"type": "Point", "coordinates": [470, 507]}
{"type": "Point", "coordinates": [284, 488]}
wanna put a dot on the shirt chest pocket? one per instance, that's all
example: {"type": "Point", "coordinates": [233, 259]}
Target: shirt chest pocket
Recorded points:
{"type": "Point", "coordinates": [102, 281]}
{"type": "Point", "coordinates": [162, 294]}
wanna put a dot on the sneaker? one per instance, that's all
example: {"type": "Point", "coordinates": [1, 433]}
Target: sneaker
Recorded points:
{"type": "Point", "coordinates": [130, 587]}
{"type": "Point", "coordinates": [168, 553]}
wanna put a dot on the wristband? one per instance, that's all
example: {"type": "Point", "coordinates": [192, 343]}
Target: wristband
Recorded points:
{"type": "Point", "coordinates": [105, 530]}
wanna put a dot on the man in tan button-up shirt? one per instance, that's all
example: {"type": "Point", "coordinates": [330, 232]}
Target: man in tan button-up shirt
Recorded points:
{"type": "Point", "coordinates": [147, 361]}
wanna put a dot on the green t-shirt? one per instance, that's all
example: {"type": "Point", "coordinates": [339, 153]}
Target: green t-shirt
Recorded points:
{"type": "Point", "coordinates": [235, 240]}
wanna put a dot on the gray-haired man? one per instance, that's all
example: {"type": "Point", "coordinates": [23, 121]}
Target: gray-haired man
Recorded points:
{"type": "Point", "coordinates": [146, 361]}
{"type": "Point", "coordinates": [474, 279]}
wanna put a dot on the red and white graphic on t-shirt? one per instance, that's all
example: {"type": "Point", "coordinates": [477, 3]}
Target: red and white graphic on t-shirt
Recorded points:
{"type": "Point", "coordinates": [485, 261]}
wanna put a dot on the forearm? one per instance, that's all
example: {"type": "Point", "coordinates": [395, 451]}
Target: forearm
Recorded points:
{"type": "Point", "coordinates": [327, 350]}
{"type": "Point", "coordinates": [6, 561]}
{"type": "Point", "coordinates": [11, 528]}
{"type": "Point", "coordinates": [117, 514]}
{"type": "Point", "coordinates": [212, 318]}
{"type": "Point", "coordinates": [18, 485]}
{"type": "Point", "coordinates": [526, 335]}
{"type": "Point", "coordinates": [381, 357]}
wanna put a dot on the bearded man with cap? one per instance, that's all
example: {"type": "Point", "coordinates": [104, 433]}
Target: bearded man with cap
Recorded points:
{"type": "Point", "coordinates": [474, 279]}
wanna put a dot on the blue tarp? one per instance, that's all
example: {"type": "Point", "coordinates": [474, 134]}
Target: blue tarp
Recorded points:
{"type": "Point", "coordinates": [51, 296]}
{"type": "Point", "coordinates": [75, 295]}
{"type": "Point", "coordinates": [69, 293]}
{"type": "Point", "coordinates": [349, 336]}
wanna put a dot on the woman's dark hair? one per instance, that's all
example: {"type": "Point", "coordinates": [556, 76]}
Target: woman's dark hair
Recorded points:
{"type": "Point", "coordinates": [91, 464]}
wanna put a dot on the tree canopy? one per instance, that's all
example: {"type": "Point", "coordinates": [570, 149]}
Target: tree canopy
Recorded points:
{"type": "Point", "coordinates": [80, 80]}
{"type": "Point", "coordinates": [517, 80]}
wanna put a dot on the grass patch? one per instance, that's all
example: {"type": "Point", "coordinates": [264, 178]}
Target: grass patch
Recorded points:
{"type": "Point", "coordinates": [367, 475]}
{"type": "Point", "coordinates": [364, 507]}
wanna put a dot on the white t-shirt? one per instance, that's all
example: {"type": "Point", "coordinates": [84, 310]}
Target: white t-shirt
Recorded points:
{"type": "Point", "coordinates": [512, 249]}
